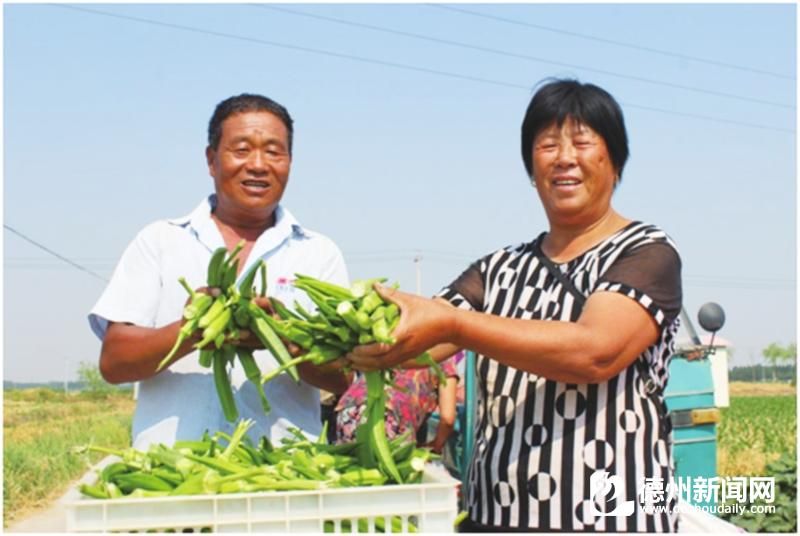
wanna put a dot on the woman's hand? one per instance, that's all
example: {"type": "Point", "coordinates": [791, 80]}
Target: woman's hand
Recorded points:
{"type": "Point", "coordinates": [424, 323]}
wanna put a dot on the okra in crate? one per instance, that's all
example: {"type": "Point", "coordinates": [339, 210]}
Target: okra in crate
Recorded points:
{"type": "Point", "coordinates": [430, 506]}
{"type": "Point", "coordinates": [226, 483]}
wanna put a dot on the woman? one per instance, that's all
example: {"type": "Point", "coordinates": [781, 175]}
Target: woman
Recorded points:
{"type": "Point", "coordinates": [572, 331]}
{"type": "Point", "coordinates": [414, 394]}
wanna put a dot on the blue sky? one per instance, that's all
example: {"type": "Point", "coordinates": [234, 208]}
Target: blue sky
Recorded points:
{"type": "Point", "coordinates": [404, 145]}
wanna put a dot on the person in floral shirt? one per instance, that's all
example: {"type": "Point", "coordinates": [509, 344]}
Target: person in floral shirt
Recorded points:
{"type": "Point", "coordinates": [415, 395]}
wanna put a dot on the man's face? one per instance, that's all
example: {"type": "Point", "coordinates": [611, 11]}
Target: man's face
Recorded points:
{"type": "Point", "coordinates": [251, 163]}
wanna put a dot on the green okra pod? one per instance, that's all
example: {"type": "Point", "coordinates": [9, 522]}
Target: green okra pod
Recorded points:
{"type": "Point", "coordinates": [253, 374]}
{"type": "Point", "coordinates": [215, 329]}
{"type": "Point", "coordinates": [172, 459]}
{"type": "Point", "coordinates": [370, 302]}
{"type": "Point", "coordinates": [392, 312]}
{"type": "Point", "coordinates": [330, 290]}
{"type": "Point", "coordinates": [239, 433]}
{"type": "Point", "coordinates": [229, 279]}
{"type": "Point", "coordinates": [95, 491]}
{"type": "Point", "coordinates": [113, 491]}
{"type": "Point", "coordinates": [223, 385]}
{"type": "Point", "coordinates": [206, 357]}
{"type": "Point", "coordinates": [263, 279]}
{"type": "Point", "coordinates": [347, 313]}
{"type": "Point", "coordinates": [199, 301]}
{"type": "Point", "coordinates": [248, 280]}
{"type": "Point", "coordinates": [338, 448]}
{"type": "Point", "coordinates": [113, 469]}
{"type": "Point", "coordinates": [323, 353]}
{"type": "Point", "coordinates": [212, 312]}
{"type": "Point", "coordinates": [380, 330]}
{"type": "Point", "coordinates": [366, 338]}
{"type": "Point", "coordinates": [241, 316]}
{"type": "Point", "coordinates": [309, 326]}
{"type": "Point", "coordinates": [184, 333]}
{"type": "Point", "coordinates": [364, 322]}
{"type": "Point", "coordinates": [290, 333]}
{"type": "Point", "coordinates": [325, 308]}
{"type": "Point", "coordinates": [427, 359]}
{"type": "Point", "coordinates": [363, 477]}
{"type": "Point", "coordinates": [337, 343]}
{"type": "Point", "coordinates": [168, 475]}
{"type": "Point", "coordinates": [361, 288]}
{"type": "Point", "coordinates": [270, 339]}
{"type": "Point", "coordinates": [223, 466]}
{"type": "Point", "coordinates": [376, 425]}
{"type": "Point", "coordinates": [198, 447]}
{"type": "Point", "coordinates": [378, 314]}
{"type": "Point", "coordinates": [402, 452]}
{"type": "Point", "coordinates": [289, 365]}
{"type": "Point", "coordinates": [129, 482]}
{"type": "Point", "coordinates": [282, 310]}
{"type": "Point", "coordinates": [214, 267]}
{"type": "Point", "coordinates": [206, 482]}
{"type": "Point", "coordinates": [303, 312]}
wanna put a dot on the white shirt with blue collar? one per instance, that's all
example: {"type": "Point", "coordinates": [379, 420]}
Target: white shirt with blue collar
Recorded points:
{"type": "Point", "coordinates": [181, 402]}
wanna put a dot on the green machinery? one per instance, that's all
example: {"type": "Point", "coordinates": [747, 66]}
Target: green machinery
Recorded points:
{"type": "Point", "coordinates": [693, 396]}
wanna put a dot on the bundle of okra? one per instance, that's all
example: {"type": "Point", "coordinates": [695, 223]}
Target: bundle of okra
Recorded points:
{"type": "Point", "coordinates": [344, 319]}
{"type": "Point", "coordinates": [225, 463]}
{"type": "Point", "coordinates": [220, 318]}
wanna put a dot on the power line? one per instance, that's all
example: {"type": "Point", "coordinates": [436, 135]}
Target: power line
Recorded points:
{"type": "Point", "coordinates": [612, 42]}
{"type": "Point", "coordinates": [53, 253]}
{"type": "Point", "coordinates": [396, 65]}
{"type": "Point", "coordinates": [522, 56]}
{"type": "Point", "coordinates": [381, 256]}
{"type": "Point", "coordinates": [293, 47]}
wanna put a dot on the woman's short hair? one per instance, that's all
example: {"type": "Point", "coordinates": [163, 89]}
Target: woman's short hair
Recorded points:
{"type": "Point", "coordinates": [588, 104]}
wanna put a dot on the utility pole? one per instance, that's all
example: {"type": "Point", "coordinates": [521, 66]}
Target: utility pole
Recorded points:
{"type": "Point", "coordinates": [418, 265]}
{"type": "Point", "coordinates": [66, 376]}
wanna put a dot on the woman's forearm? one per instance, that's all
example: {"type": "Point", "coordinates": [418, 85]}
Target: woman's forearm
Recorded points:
{"type": "Point", "coordinates": [610, 333]}
{"type": "Point", "coordinates": [323, 377]}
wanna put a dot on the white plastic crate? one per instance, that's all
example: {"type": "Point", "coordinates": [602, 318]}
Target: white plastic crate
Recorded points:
{"type": "Point", "coordinates": [431, 506]}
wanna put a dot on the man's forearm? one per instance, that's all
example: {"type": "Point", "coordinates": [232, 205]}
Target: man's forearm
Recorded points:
{"type": "Point", "coordinates": [132, 353]}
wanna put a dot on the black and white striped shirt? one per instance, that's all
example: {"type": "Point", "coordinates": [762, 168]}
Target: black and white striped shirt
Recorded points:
{"type": "Point", "coordinates": [538, 442]}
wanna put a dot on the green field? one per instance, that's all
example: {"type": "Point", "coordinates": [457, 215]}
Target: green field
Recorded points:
{"type": "Point", "coordinates": [40, 426]}
{"type": "Point", "coordinates": [754, 431]}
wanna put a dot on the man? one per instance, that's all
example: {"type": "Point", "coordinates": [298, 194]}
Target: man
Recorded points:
{"type": "Point", "coordinates": [138, 316]}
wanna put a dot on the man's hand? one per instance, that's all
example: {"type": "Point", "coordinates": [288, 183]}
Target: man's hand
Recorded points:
{"type": "Point", "coordinates": [247, 339]}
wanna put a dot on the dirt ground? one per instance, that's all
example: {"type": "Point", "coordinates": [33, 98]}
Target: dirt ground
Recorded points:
{"type": "Point", "coordinates": [761, 389]}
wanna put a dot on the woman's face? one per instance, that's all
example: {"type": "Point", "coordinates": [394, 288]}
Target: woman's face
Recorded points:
{"type": "Point", "coordinates": [573, 172]}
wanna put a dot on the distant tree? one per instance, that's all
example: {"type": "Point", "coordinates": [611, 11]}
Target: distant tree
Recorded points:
{"type": "Point", "coordinates": [790, 356]}
{"type": "Point", "coordinates": [773, 353]}
{"type": "Point", "coordinates": [93, 382]}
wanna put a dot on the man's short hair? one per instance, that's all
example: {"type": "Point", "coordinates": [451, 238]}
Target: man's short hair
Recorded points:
{"type": "Point", "coordinates": [246, 102]}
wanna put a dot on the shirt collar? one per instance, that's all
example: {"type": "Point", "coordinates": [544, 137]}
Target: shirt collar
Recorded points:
{"type": "Point", "coordinates": [199, 222]}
